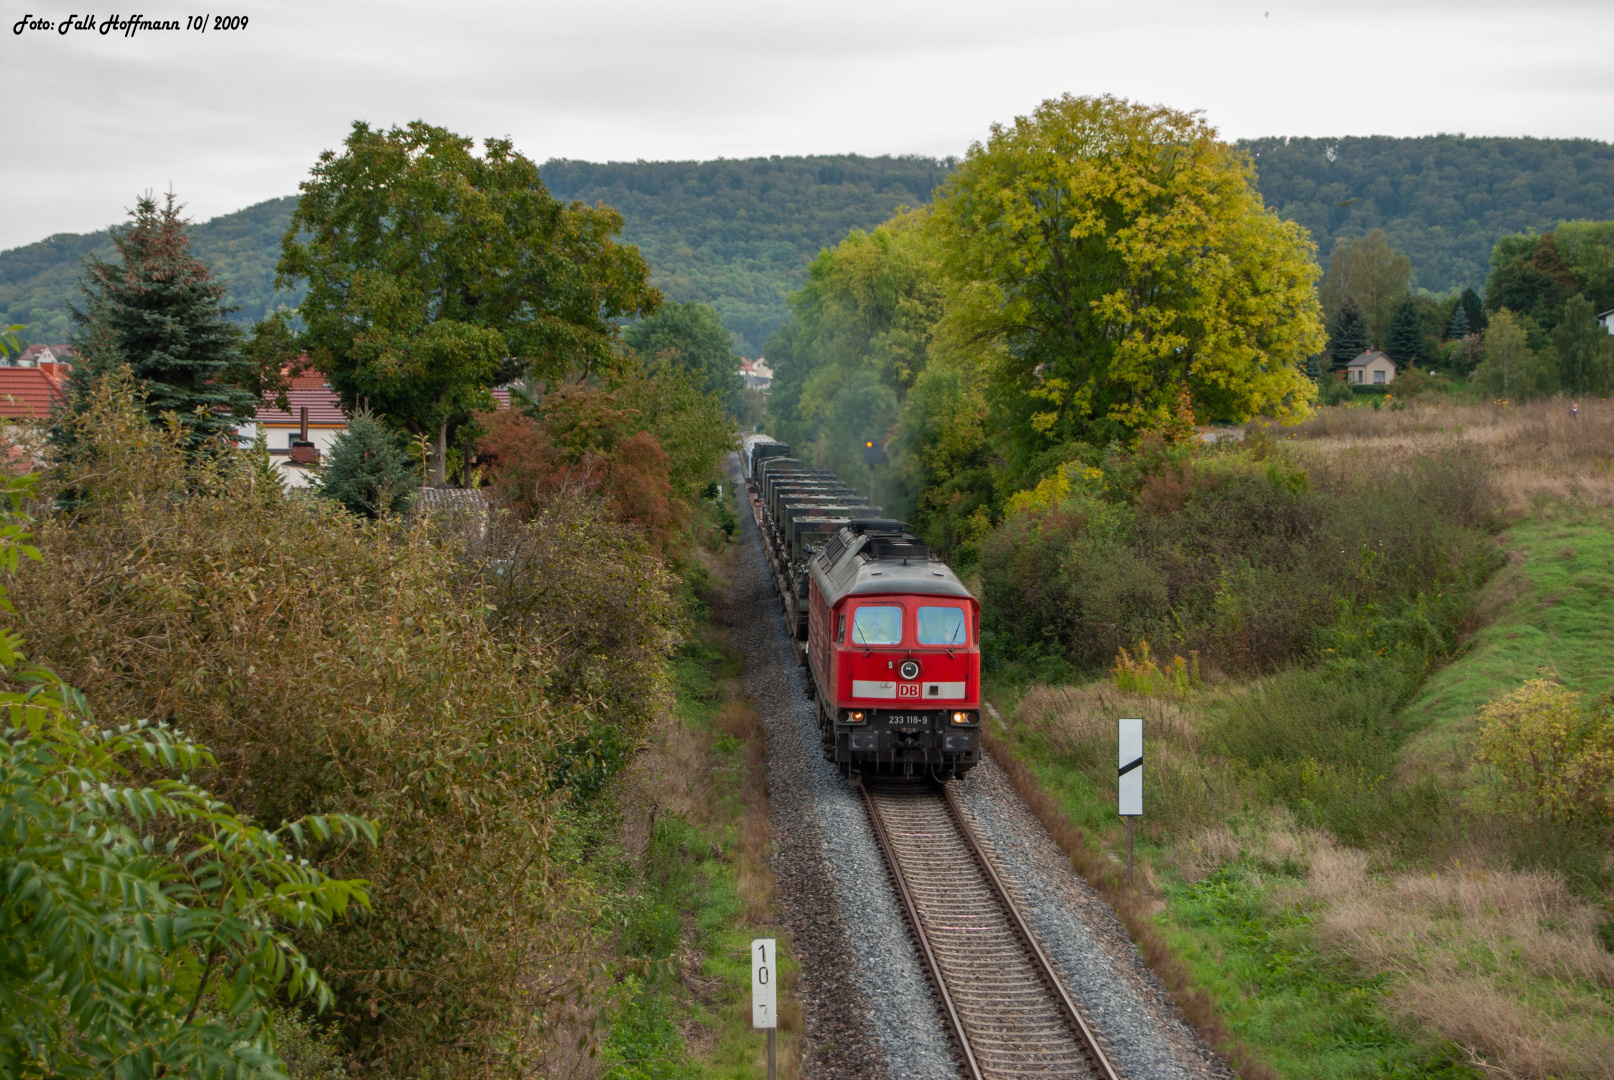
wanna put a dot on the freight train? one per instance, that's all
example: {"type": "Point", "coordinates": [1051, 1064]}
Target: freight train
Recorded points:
{"type": "Point", "coordinates": [889, 636]}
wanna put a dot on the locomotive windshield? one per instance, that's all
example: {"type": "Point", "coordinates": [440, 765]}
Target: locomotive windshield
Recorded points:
{"type": "Point", "coordinates": [941, 626]}
{"type": "Point", "coordinates": [877, 625]}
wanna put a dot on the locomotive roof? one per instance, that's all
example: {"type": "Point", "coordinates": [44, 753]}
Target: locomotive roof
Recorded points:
{"type": "Point", "coordinates": [869, 557]}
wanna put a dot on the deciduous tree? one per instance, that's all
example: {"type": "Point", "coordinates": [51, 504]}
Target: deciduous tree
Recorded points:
{"type": "Point", "coordinates": [434, 275]}
{"type": "Point", "coordinates": [1374, 273]}
{"type": "Point", "coordinates": [1529, 277]}
{"type": "Point", "coordinates": [693, 337]}
{"type": "Point", "coordinates": [147, 924]}
{"type": "Point", "coordinates": [1585, 350]}
{"type": "Point", "coordinates": [1511, 369]}
{"type": "Point", "coordinates": [1106, 254]}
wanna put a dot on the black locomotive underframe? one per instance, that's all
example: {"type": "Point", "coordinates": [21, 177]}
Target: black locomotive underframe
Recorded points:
{"type": "Point", "coordinates": [901, 742]}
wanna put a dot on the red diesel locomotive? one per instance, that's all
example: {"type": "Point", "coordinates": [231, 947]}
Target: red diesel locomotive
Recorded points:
{"type": "Point", "coordinates": [893, 652]}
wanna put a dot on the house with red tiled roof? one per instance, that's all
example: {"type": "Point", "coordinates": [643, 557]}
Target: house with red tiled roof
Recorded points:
{"type": "Point", "coordinates": [300, 438]}
{"type": "Point", "coordinates": [31, 383]}
{"type": "Point", "coordinates": [756, 373]}
{"type": "Point", "coordinates": [314, 420]}
{"type": "Point", "coordinates": [30, 392]}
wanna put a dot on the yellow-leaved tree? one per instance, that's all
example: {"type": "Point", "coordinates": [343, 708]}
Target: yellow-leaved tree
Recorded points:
{"type": "Point", "coordinates": [1106, 254]}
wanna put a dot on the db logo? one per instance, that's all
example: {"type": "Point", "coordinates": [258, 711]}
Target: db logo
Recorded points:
{"type": "Point", "coordinates": [908, 689]}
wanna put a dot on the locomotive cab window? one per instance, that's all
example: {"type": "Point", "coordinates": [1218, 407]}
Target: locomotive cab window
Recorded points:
{"type": "Point", "coordinates": [877, 625]}
{"type": "Point", "coordinates": [941, 626]}
{"type": "Point", "coordinates": [840, 628]}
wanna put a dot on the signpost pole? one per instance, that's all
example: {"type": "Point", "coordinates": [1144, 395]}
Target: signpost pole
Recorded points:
{"type": "Point", "coordinates": [773, 1073]}
{"type": "Point", "coordinates": [1130, 822]}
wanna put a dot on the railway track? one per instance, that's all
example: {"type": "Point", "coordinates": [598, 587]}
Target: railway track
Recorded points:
{"type": "Point", "coordinates": [1008, 1011]}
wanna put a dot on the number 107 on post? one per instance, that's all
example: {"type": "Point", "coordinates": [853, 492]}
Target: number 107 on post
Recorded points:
{"type": "Point", "coordinates": [764, 993]}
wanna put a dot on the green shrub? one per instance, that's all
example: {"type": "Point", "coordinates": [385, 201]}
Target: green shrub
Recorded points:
{"type": "Point", "coordinates": [1333, 391]}
{"type": "Point", "coordinates": [146, 924]}
{"type": "Point", "coordinates": [351, 666]}
{"type": "Point", "coordinates": [1552, 752]}
{"type": "Point", "coordinates": [1250, 559]}
{"type": "Point", "coordinates": [368, 471]}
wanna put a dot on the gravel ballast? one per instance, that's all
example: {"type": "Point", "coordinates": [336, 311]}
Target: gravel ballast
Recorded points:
{"type": "Point", "coordinates": [869, 1011]}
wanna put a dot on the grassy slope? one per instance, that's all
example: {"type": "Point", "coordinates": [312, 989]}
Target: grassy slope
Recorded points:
{"type": "Point", "coordinates": [1303, 1014]}
{"type": "Point", "coordinates": [1552, 607]}
{"type": "Point", "coordinates": [1263, 936]}
{"type": "Point", "coordinates": [690, 872]}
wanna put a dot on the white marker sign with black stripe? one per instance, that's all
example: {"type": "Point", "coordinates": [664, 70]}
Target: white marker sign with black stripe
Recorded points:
{"type": "Point", "coordinates": [1130, 783]}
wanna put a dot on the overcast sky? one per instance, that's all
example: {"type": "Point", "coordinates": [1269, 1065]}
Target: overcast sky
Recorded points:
{"type": "Point", "coordinates": [229, 118]}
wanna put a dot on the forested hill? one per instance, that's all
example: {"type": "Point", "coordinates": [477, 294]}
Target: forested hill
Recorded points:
{"type": "Point", "coordinates": [1442, 199]}
{"type": "Point", "coordinates": [739, 234]}
{"type": "Point", "coordinates": [37, 280]}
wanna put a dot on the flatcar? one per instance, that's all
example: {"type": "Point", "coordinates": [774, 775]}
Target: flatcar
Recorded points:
{"type": "Point", "coordinates": [888, 634]}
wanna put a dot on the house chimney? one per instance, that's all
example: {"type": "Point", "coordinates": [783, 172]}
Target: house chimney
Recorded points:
{"type": "Point", "coordinates": [302, 434]}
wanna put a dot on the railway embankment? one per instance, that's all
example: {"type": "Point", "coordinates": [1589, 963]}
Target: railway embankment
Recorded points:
{"type": "Point", "coordinates": [1393, 861]}
{"type": "Point", "coordinates": [681, 846]}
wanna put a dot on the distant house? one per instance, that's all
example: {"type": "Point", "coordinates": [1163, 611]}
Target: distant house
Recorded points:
{"type": "Point", "coordinates": [756, 373]}
{"type": "Point", "coordinates": [315, 419]}
{"type": "Point", "coordinates": [37, 355]}
{"type": "Point", "coordinates": [1607, 319]}
{"type": "Point", "coordinates": [31, 384]}
{"type": "Point", "coordinates": [1371, 368]}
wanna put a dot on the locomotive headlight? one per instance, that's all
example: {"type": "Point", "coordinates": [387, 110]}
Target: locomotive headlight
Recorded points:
{"type": "Point", "coordinates": [961, 718]}
{"type": "Point", "coordinates": [909, 669]}
{"type": "Point", "coordinates": [855, 717]}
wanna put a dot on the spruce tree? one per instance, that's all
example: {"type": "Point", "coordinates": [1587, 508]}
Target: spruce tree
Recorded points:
{"type": "Point", "coordinates": [1405, 342]}
{"type": "Point", "coordinates": [1474, 308]}
{"type": "Point", "coordinates": [1458, 327]}
{"type": "Point", "coordinates": [161, 312]}
{"type": "Point", "coordinates": [369, 473]}
{"type": "Point", "coordinates": [1347, 336]}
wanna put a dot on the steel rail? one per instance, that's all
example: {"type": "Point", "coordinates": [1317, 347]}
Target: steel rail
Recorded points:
{"type": "Point", "coordinates": [1028, 938]}
{"type": "Point", "coordinates": [931, 964]}
{"type": "Point", "coordinates": [1086, 1042]}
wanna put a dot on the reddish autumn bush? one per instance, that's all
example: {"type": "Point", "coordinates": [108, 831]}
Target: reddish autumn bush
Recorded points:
{"type": "Point", "coordinates": [602, 442]}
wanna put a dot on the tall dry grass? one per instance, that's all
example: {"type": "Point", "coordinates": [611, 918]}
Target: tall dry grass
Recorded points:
{"type": "Point", "coordinates": [1183, 784]}
{"type": "Point", "coordinates": [1136, 911]}
{"type": "Point", "coordinates": [1541, 449]}
{"type": "Point", "coordinates": [1505, 964]}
